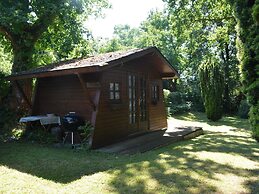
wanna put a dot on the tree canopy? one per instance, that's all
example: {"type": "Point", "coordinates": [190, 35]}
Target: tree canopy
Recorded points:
{"type": "Point", "coordinates": [23, 23]}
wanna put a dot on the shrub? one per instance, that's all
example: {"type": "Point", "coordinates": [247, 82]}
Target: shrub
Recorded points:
{"type": "Point", "coordinates": [176, 102]}
{"type": "Point", "coordinates": [254, 120]}
{"type": "Point", "coordinates": [212, 86]}
{"type": "Point", "coordinates": [40, 136]}
{"type": "Point", "coordinates": [7, 118]}
{"type": "Point", "coordinates": [85, 133]}
{"type": "Point", "coordinates": [181, 108]}
{"type": "Point", "coordinates": [243, 109]}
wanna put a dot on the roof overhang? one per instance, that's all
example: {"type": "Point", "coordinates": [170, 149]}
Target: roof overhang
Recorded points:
{"type": "Point", "coordinates": [165, 68]}
{"type": "Point", "coordinates": [54, 73]}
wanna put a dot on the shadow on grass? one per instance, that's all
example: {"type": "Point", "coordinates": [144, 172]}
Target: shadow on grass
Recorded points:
{"type": "Point", "coordinates": [172, 169]}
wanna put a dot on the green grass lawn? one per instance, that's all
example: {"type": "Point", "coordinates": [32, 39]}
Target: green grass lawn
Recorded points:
{"type": "Point", "coordinates": [223, 160]}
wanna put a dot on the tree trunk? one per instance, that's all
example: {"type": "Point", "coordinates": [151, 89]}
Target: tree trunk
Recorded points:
{"type": "Point", "coordinates": [22, 61]}
{"type": "Point", "coordinates": [226, 96]}
{"type": "Point", "coordinates": [22, 57]}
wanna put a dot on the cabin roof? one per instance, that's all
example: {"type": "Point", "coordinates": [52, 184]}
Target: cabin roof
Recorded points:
{"type": "Point", "coordinates": [95, 64]}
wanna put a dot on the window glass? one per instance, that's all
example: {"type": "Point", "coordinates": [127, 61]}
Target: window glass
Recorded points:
{"type": "Point", "coordinates": [132, 98]}
{"type": "Point", "coordinates": [114, 91]}
{"type": "Point", "coordinates": [116, 86]}
{"type": "Point", "coordinates": [117, 95]}
{"type": "Point", "coordinates": [111, 95]}
{"type": "Point", "coordinates": [111, 86]}
{"type": "Point", "coordinates": [155, 93]}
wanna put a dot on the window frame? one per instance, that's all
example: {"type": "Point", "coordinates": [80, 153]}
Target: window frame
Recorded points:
{"type": "Point", "coordinates": [132, 86]}
{"type": "Point", "coordinates": [113, 91]}
{"type": "Point", "coordinates": [155, 93]}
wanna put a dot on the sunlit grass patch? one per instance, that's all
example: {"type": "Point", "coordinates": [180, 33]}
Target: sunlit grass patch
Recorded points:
{"type": "Point", "coordinates": [233, 160]}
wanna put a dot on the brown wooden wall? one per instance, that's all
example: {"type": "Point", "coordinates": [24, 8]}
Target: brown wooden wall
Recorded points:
{"type": "Point", "coordinates": [112, 122]}
{"type": "Point", "coordinates": [61, 95]}
{"type": "Point", "coordinates": [157, 112]}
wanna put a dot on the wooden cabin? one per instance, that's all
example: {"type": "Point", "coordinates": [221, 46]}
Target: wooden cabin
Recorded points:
{"type": "Point", "coordinates": [120, 93]}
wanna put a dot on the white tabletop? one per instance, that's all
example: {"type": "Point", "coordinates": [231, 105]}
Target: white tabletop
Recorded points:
{"type": "Point", "coordinates": [44, 120]}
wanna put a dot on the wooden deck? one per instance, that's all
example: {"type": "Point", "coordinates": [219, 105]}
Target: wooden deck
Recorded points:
{"type": "Point", "coordinates": [152, 140]}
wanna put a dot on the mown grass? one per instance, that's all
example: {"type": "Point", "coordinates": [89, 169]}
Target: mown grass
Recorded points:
{"type": "Point", "coordinates": [223, 160]}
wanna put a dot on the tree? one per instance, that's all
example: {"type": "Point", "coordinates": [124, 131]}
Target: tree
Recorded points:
{"type": "Point", "coordinates": [124, 37]}
{"type": "Point", "coordinates": [127, 36]}
{"type": "Point", "coordinates": [212, 86]}
{"type": "Point", "coordinates": [23, 23]}
{"type": "Point", "coordinates": [204, 28]}
{"type": "Point", "coordinates": [247, 16]}
{"type": "Point", "coordinates": [111, 46]}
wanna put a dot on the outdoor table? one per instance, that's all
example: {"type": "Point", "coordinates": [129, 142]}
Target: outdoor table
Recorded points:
{"type": "Point", "coordinates": [43, 119]}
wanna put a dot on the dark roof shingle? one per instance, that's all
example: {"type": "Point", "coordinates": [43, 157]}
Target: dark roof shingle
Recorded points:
{"type": "Point", "coordinates": [98, 60]}
{"type": "Point", "coordinates": [92, 63]}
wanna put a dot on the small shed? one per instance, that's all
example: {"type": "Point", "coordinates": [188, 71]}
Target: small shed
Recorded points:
{"type": "Point", "coordinates": [120, 93]}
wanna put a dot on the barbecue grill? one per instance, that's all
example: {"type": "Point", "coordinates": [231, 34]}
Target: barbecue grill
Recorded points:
{"type": "Point", "coordinates": [71, 122]}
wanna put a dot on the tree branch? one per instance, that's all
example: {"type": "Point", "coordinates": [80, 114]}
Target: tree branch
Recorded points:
{"type": "Point", "coordinates": [7, 33]}
{"type": "Point", "coordinates": [42, 24]}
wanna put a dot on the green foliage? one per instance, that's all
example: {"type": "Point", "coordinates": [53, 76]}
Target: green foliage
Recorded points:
{"type": "Point", "coordinates": [85, 133]}
{"type": "Point", "coordinates": [39, 136]}
{"type": "Point", "coordinates": [4, 87]}
{"type": "Point", "coordinates": [176, 103]}
{"type": "Point", "coordinates": [254, 120]}
{"type": "Point", "coordinates": [124, 37]}
{"type": "Point", "coordinates": [212, 86]}
{"type": "Point", "coordinates": [256, 13]}
{"type": "Point", "coordinates": [246, 13]}
{"type": "Point", "coordinates": [243, 109]}
{"type": "Point", "coordinates": [7, 118]}
{"type": "Point", "coordinates": [111, 46]}
{"type": "Point", "coordinates": [5, 56]}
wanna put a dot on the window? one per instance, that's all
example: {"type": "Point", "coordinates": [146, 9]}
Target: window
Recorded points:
{"type": "Point", "coordinates": [132, 99]}
{"type": "Point", "coordinates": [155, 93]}
{"type": "Point", "coordinates": [143, 100]}
{"type": "Point", "coordinates": [114, 91]}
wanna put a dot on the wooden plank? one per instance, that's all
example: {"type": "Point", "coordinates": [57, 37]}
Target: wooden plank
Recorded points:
{"type": "Point", "coordinates": [83, 85]}
{"type": "Point", "coordinates": [96, 102]}
{"type": "Point", "coordinates": [34, 96]}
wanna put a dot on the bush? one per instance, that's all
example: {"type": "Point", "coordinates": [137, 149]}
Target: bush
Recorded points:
{"type": "Point", "coordinates": [254, 120]}
{"type": "Point", "coordinates": [40, 136]}
{"type": "Point", "coordinates": [177, 109]}
{"type": "Point", "coordinates": [212, 87]}
{"type": "Point", "coordinates": [7, 118]}
{"type": "Point", "coordinates": [176, 102]}
{"type": "Point", "coordinates": [85, 133]}
{"type": "Point", "coordinates": [243, 109]}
